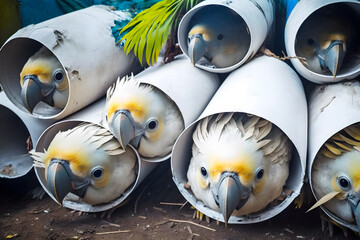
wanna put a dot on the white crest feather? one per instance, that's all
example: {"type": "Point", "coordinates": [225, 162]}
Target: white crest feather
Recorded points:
{"type": "Point", "coordinates": [126, 84]}
{"type": "Point", "coordinates": [269, 139]}
{"type": "Point", "coordinates": [38, 158]}
{"type": "Point", "coordinates": [84, 133]}
{"type": "Point", "coordinates": [345, 140]}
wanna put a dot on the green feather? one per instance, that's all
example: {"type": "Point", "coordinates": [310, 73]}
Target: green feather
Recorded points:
{"type": "Point", "coordinates": [148, 31]}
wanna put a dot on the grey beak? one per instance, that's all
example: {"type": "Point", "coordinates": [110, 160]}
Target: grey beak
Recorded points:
{"type": "Point", "coordinates": [354, 200]}
{"type": "Point", "coordinates": [196, 48]}
{"type": "Point", "coordinates": [31, 94]}
{"type": "Point", "coordinates": [33, 91]}
{"type": "Point", "coordinates": [334, 57]}
{"type": "Point", "coordinates": [124, 128]}
{"type": "Point", "coordinates": [231, 194]}
{"type": "Point", "coordinates": [60, 180]}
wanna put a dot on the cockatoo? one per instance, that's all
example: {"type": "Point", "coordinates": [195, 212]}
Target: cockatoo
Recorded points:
{"type": "Point", "coordinates": [335, 175]}
{"type": "Point", "coordinates": [44, 79]}
{"type": "Point", "coordinates": [89, 162]}
{"type": "Point", "coordinates": [239, 163]}
{"type": "Point", "coordinates": [326, 38]}
{"type": "Point", "coordinates": [218, 36]}
{"type": "Point", "coordinates": [144, 116]}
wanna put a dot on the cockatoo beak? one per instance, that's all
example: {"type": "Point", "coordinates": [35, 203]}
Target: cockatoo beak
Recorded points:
{"type": "Point", "coordinates": [354, 201]}
{"type": "Point", "coordinates": [334, 57]}
{"type": "Point", "coordinates": [33, 91]}
{"type": "Point", "coordinates": [125, 129]}
{"type": "Point", "coordinates": [196, 48]}
{"type": "Point", "coordinates": [60, 180]}
{"type": "Point", "coordinates": [231, 194]}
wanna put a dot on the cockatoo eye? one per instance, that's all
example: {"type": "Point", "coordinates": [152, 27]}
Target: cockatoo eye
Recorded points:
{"type": "Point", "coordinates": [344, 183]}
{"type": "Point", "coordinates": [152, 125]}
{"type": "Point", "coordinates": [58, 75]}
{"type": "Point", "coordinates": [97, 173]}
{"type": "Point", "coordinates": [220, 37]}
{"type": "Point", "coordinates": [310, 42]}
{"type": "Point", "coordinates": [203, 172]}
{"type": "Point", "coordinates": [259, 173]}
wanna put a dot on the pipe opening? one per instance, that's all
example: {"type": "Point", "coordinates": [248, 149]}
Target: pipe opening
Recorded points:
{"type": "Point", "coordinates": [13, 56]}
{"type": "Point", "coordinates": [180, 161]}
{"type": "Point", "coordinates": [14, 141]}
{"type": "Point", "coordinates": [329, 40]}
{"type": "Point", "coordinates": [215, 37]}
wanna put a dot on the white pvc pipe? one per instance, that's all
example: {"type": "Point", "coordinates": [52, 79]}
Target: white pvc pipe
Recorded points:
{"type": "Point", "coordinates": [16, 127]}
{"type": "Point", "coordinates": [331, 108]}
{"type": "Point", "coordinates": [190, 88]}
{"type": "Point", "coordinates": [270, 89]}
{"type": "Point", "coordinates": [83, 44]}
{"type": "Point", "coordinates": [258, 16]}
{"type": "Point", "coordinates": [90, 114]}
{"type": "Point", "coordinates": [300, 13]}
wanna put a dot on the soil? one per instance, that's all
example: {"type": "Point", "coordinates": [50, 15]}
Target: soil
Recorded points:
{"type": "Point", "coordinates": [144, 216]}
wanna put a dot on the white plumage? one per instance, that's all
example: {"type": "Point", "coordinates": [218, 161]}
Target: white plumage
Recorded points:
{"type": "Point", "coordinates": [217, 36]}
{"type": "Point", "coordinates": [44, 79]}
{"type": "Point", "coordinates": [336, 169]}
{"type": "Point", "coordinates": [153, 119]}
{"type": "Point", "coordinates": [249, 147]}
{"type": "Point", "coordinates": [95, 155]}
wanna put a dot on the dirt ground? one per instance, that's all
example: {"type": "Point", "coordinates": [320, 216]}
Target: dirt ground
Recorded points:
{"type": "Point", "coordinates": [143, 217]}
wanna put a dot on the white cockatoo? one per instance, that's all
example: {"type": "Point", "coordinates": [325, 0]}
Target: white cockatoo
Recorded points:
{"type": "Point", "coordinates": [240, 163]}
{"type": "Point", "coordinates": [144, 116]}
{"type": "Point", "coordinates": [217, 36]}
{"type": "Point", "coordinates": [326, 37]}
{"type": "Point", "coordinates": [89, 162]}
{"type": "Point", "coordinates": [335, 175]}
{"type": "Point", "coordinates": [44, 79]}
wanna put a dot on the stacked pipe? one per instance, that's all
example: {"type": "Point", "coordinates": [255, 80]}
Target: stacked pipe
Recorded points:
{"type": "Point", "coordinates": [324, 39]}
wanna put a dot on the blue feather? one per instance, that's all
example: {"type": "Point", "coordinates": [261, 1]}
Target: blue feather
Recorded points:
{"type": "Point", "coordinates": [133, 7]}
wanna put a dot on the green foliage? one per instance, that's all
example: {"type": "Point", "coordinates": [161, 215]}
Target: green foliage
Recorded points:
{"type": "Point", "coordinates": [147, 32]}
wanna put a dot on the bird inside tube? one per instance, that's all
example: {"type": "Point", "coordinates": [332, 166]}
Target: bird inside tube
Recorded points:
{"type": "Point", "coordinates": [329, 40]}
{"type": "Point", "coordinates": [89, 162]}
{"type": "Point", "coordinates": [218, 37]}
{"type": "Point", "coordinates": [335, 175]}
{"type": "Point", "coordinates": [143, 116]}
{"type": "Point", "coordinates": [43, 79]}
{"type": "Point", "coordinates": [239, 164]}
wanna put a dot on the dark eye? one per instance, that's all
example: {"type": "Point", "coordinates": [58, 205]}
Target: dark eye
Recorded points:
{"type": "Point", "coordinates": [220, 36]}
{"type": "Point", "coordinates": [58, 75]}
{"type": "Point", "coordinates": [152, 125]}
{"type": "Point", "coordinates": [203, 171]}
{"type": "Point", "coordinates": [344, 183]}
{"type": "Point", "coordinates": [97, 173]}
{"type": "Point", "coordinates": [259, 174]}
{"type": "Point", "coordinates": [311, 41]}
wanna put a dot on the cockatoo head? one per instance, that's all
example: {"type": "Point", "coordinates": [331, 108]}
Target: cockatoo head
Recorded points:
{"type": "Point", "coordinates": [336, 175]}
{"type": "Point", "coordinates": [230, 168]}
{"type": "Point", "coordinates": [89, 162]}
{"type": "Point", "coordinates": [325, 39]}
{"type": "Point", "coordinates": [44, 79]}
{"type": "Point", "coordinates": [143, 116]}
{"type": "Point", "coordinates": [219, 35]}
